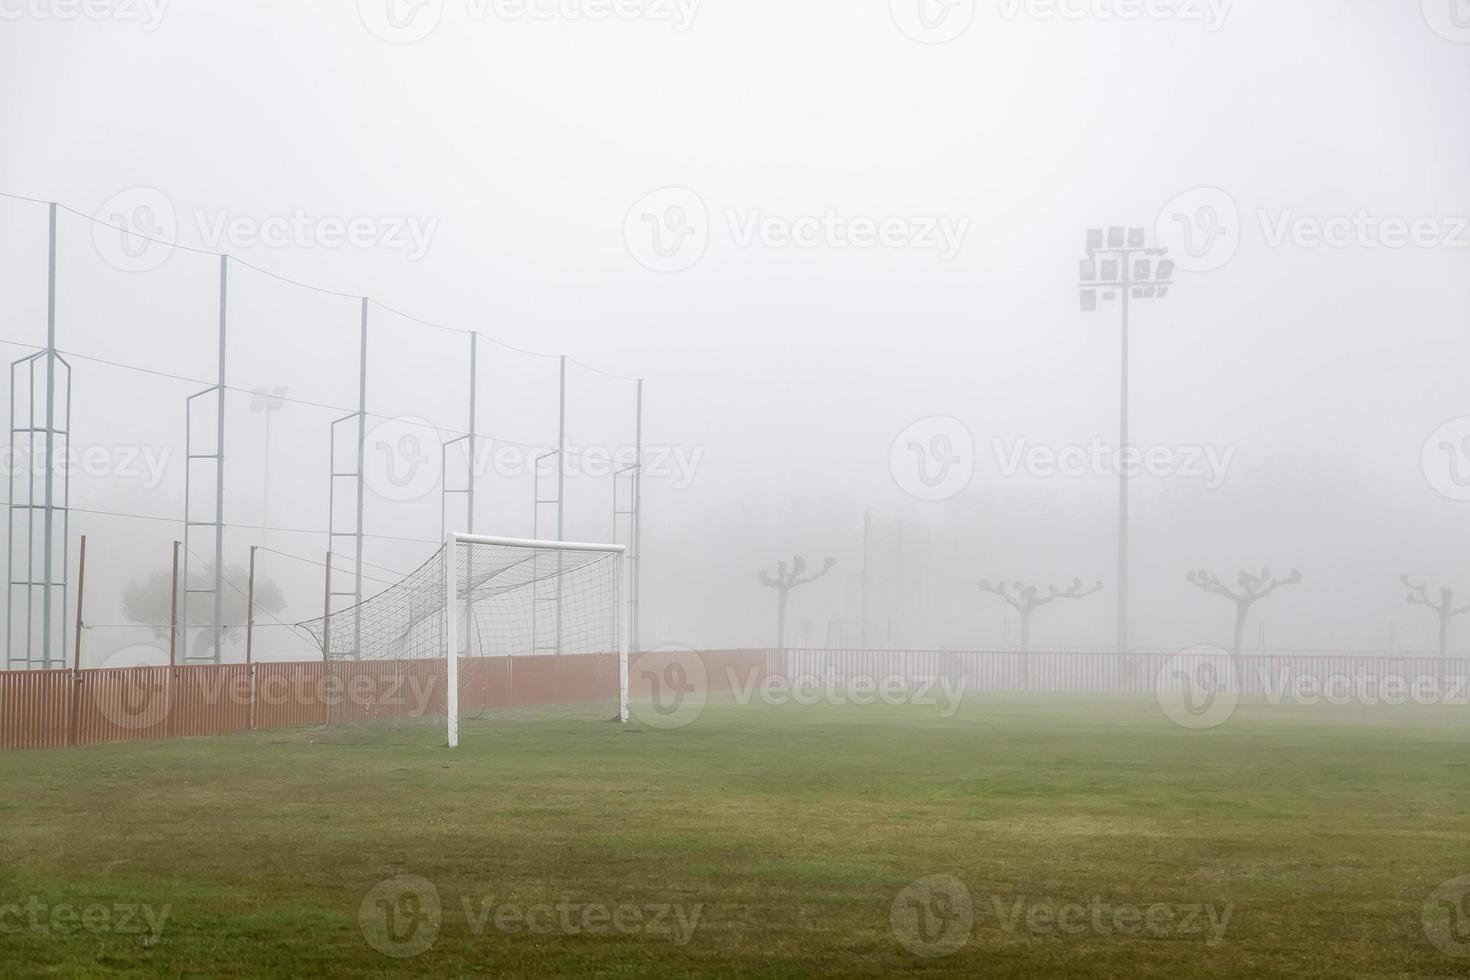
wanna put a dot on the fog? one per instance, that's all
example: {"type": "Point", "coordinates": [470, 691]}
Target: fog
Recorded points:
{"type": "Point", "coordinates": [840, 248]}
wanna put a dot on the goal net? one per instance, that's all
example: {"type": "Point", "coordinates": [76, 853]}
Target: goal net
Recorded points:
{"type": "Point", "coordinates": [507, 623]}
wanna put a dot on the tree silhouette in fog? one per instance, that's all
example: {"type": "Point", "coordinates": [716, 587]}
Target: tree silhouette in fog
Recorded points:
{"type": "Point", "coordinates": [147, 602]}
{"type": "Point", "coordinates": [1445, 608]}
{"type": "Point", "coordinates": [1252, 589]}
{"type": "Point", "coordinates": [789, 577]}
{"type": "Point", "coordinates": [1026, 599]}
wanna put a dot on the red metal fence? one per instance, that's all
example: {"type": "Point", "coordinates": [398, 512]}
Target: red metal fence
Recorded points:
{"type": "Point", "coordinates": [52, 708]}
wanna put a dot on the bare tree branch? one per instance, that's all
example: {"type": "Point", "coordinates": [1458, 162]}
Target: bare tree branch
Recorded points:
{"type": "Point", "coordinates": [826, 567]}
{"type": "Point", "coordinates": [1024, 598]}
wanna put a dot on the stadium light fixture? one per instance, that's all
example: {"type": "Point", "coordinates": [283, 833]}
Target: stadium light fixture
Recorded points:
{"type": "Point", "coordinates": [1120, 264]}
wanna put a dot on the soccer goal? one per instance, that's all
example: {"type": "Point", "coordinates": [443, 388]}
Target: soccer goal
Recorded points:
{"type": "Point", "coordinates": [516, 623]}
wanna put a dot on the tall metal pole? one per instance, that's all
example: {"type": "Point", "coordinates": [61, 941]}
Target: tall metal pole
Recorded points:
{"type": "Point", "coordinates": [250, 611]}
{"type": "Point", "coordinates": [864, 611]}
{"type": "Point", "coordinates": [327, 643]}
{"type": "Point", "coordinates": [561, 484]}
{"type": "Point", "coordinates": [637, 560]}
{"type": "Point", "coordinates": [250, 632]}
{"type": "Point", "coordinates": [469, 506]}
{"type": "Point", "coordinates": [327, 611]}
{"type": "Point", "coordinates": [1123, 477]}
{"type": "Point", "coordinates": [361, 459]}
{"type": "Point", "coordinates": [219, 473]}
{"type": "Point", "coordinates": [50, 478]}
{"type": "Point", "coordinates": [451, 643]}
{"type": "Point", "coordinates": [74, 706]}
{"type": "Point", "coordinates": [173, 644]}
{"type": "Point", "coordinates": [76, 654]}
{"type": "Point", "coordinates": [173, 612]}
{"type": "Point", "coordinates": [470, 484]}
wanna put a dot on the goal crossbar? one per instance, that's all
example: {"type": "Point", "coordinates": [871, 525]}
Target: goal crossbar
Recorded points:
{"type": "Point", "coordinates": [452, 597]}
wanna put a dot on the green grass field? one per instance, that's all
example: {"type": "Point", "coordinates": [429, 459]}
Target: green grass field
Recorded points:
{"type": "Point", "coordinates": [778, 841]}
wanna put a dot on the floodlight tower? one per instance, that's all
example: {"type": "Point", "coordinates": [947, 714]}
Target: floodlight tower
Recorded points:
{"type": "Point", "coordinates": [267, 401]}
{"type": "Point", "coordinates": [1121, 265]}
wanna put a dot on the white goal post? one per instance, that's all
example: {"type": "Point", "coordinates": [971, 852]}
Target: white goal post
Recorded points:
{"type": "Point", "coordinates": [463, 585]}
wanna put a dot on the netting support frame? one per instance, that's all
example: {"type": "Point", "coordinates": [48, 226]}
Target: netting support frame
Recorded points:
{"type": "Point", "coordinates": [451, 618]}
{"type": "Point", "coordinates": [51, 434]}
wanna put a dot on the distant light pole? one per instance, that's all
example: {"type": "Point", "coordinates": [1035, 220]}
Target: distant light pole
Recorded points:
{"type": "Point", "coordinates": [1127, 270]}
{"type": "Point", "coordinates": [269, 401]}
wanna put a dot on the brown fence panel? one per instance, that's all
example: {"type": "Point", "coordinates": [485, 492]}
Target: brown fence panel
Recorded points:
{"type": "Point", "coordinates": [37, 709]}
{"type": "Point", "coordinates": [532, 681]}
{"type": "Point", "coordinates": [484, 682]}
{"type": "Point", "coordinates": [728, 670]}
{"type": "Point", "coordinates": [34, 708]}
{"type": "Point", "coordinates": [122, 704]}
{"type": "Point", "coordinates": [210, 699]}
{"type": "Point", "coordinates": [380, 690]}
{"type": "Point", "coordinates": [289, 694]}
{"type": "Point", "coordinates": [584, 677]}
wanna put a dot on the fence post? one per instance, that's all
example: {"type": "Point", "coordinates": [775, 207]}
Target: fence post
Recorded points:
{"type": "Point", "coordinates": [327, 643]}
{"type": "Point", "coordinates": [250, 635]}
{"type": "Point", "coordinates": [173, 646]}
{"type": "Point", "coordinates": [76, 653]}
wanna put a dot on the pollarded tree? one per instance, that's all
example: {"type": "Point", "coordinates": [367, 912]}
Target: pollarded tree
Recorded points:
{"type": "Point", "coordinates": [147, 602]}
{"type": "Point", "coordinates": [1026, 599]}
{"type": "Point", "coordinates": [1253, 588]}
{"type": "Point", "coordinates": [1445, 608]}
{"type": "Point", "coordinates": [786, 579]}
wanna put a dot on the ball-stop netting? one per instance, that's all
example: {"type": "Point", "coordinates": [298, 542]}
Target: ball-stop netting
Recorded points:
{"type": "Point", "coordinates": [535, 625]}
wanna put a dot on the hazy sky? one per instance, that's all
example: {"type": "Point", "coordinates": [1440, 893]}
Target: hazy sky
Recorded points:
{"type": "Point", "coordinates": [866, 229]}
